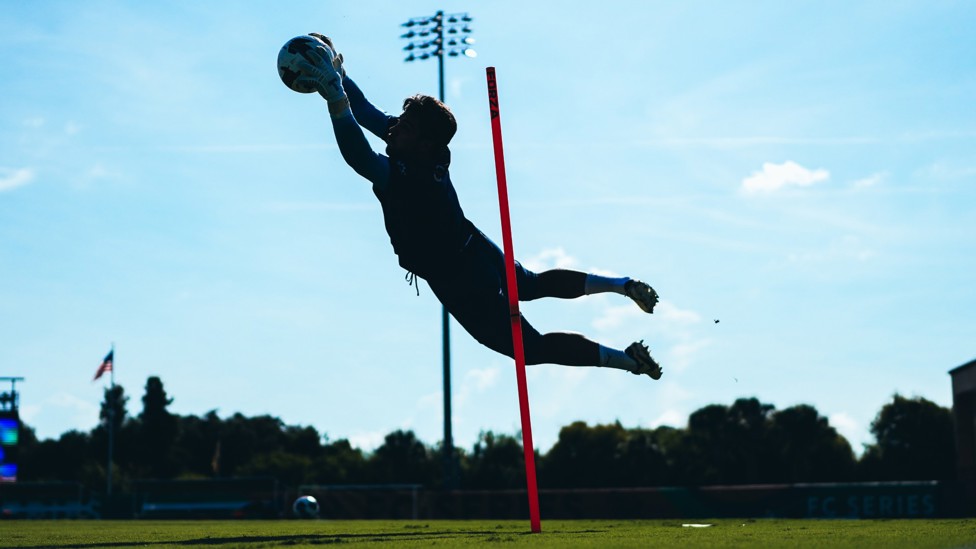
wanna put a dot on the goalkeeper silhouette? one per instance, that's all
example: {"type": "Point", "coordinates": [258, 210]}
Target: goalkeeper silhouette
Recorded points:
{"type": "Point", "coordinates": [434, 240]}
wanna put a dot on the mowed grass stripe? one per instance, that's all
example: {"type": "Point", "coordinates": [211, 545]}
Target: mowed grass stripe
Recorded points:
{"type": "Point", "coordinates": [947, 533]}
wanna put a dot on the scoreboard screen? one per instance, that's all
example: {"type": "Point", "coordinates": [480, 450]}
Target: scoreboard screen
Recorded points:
{"type": "Point", "coordinates": [9, 435]}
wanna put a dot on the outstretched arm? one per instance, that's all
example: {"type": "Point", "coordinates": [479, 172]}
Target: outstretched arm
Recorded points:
{"type": "Point", "coordinates": [368, 116]}
{"type": "Point", "coordinates": [357, 152]}
{"type": "Point", "coordinates": [322, 74]}
{"type": "Point", "coordinates": [376, 121]}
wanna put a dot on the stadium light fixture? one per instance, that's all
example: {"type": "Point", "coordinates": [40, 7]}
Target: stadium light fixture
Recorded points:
{"type": "Point", "coordinates": [431, 31]}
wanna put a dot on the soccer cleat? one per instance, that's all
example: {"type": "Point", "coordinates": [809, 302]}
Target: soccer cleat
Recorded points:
{"type": "Point", "coordinates": [642, 294]}
{"type": "Point", "coordinates": [639, 353]}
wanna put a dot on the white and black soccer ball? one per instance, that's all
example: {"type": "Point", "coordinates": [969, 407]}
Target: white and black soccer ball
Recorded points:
{"type": "Point", "coordinates": [306, 507]}
{"type": "Point", "coordinates": [293, 52]}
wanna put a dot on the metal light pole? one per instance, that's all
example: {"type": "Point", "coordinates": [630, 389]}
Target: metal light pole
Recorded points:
{"type": "Point", "coordinates": [437, 36]}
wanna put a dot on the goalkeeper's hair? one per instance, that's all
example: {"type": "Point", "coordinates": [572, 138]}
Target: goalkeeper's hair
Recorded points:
{"type": "Point", "coordinates": [435, 118]}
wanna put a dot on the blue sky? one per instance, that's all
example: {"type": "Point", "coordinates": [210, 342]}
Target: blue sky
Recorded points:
{"type": "Point", "coordinates": [802, 171]}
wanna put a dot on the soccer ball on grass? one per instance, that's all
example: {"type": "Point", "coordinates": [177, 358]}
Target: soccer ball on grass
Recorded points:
{"type": "Point", "coordinates": [306, 507]}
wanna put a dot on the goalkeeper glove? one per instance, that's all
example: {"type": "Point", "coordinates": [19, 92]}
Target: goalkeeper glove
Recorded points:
{"type": "Point", "coordinates": [320, 73]}
{"type": "Point", "coordinates": [337, 59]}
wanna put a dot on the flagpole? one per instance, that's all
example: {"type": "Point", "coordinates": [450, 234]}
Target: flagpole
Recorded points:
{"type": "Point", "coordinates": [111, 424]}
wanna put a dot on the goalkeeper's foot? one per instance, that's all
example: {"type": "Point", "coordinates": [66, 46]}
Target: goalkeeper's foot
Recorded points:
{"type": "Point", "coordinates": [642, 294]}
{"type": "Point", "coordinates": [639, 353]}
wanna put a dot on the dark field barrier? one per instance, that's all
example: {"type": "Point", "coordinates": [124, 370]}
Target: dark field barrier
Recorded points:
{"type": "Point", "coordinates": [857, 500]}
{"type": "Point", "coordinates": [262, 498]}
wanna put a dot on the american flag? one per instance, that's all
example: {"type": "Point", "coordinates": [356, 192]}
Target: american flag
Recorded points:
{"type": "Point", "coordinates": [106, 365]}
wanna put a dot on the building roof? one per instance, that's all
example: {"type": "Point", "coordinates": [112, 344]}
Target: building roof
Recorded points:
{"type": "Point", "coordinates": [966, 366]}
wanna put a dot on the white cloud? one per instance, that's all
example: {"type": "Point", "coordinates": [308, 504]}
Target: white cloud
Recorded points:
{"type": "Point", "coordinates": [13, 178]}
{"type": "Point", "coordinates": [430, 401]}
{"type": "Point", "coordinates": [312, 206]}
{"type": "Point", "coordinates": [671, 418]}
{"type": "Point", "coordinates": [99, 171]}
{"type": "Point", "coordinates": [28, 412]}
{"type": "Point", "coordinates": [949, 171]}
{"type": "Point", "coordinates": [843, 422]}
{"type": "Point", "coordinates": [870, 181]}
{"type": "Point", "coordinates": [475, 381]}
{"type": "Point", "coordinates": [559, 391]}
{"type": "Point", "coordinates": [846, 248]}
{"type": "Point", "coordinates": [615, 317]}
{"type": "Point", "coordinates": [671, 314]}
{"type": "Point", "coordinates": [482, 379]}
{"type": "Point", "coordinates": [682, 354]}
{"type": "Point", "coordinates": [604, 272]}
{"type": "Point", "coordinates": [456, 86]}
{"type": "Point", "coordinates": [71, 402]}
{"type": "Point", "coordinates": [551, 258]}
{"type": "Point", "coordinates": [71, 411]}
{"type": "Point", "coordinates": [368, 442]}
{"type": "Point", "coordinates": [855, 433]}
{"type": "Point", "coordinates": [776, 176]}
{"type": "Point", "coordinates": [672, 336]}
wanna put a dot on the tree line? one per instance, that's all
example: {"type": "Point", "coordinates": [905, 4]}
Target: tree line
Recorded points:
{"type": "Point", "coordinates": [746, 442]}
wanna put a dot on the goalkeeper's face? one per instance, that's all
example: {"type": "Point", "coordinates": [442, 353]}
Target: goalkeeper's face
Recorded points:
{"type": "Point", "coordinates": [405, 139]}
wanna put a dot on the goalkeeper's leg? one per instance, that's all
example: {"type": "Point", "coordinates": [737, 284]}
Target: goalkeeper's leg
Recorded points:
{"type": "Point", "coordinates": [569, 284]}
{"type": "Point", "coordinates": [571, 349]}
{"type": "Point", "coordinates": [486, 318]}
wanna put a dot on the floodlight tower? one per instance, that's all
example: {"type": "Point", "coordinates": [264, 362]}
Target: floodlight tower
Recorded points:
{"type": "Point", "coordinates": [10, 400]}
{"type": "Point", "coordinates": [441, 35]}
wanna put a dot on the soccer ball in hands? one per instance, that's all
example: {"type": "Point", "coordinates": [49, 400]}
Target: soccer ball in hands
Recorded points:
{"type": "Point", "coordinates": [293, 52]}
{"type": "Point", "coordinates": [306, 507]}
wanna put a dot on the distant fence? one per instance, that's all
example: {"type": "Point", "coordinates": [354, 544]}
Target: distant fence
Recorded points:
{"type": "Point", "coordinates": [262, 498]}
{"type": "Point", "coordinates": [368, 501]}
{"type": "Point", "coordinates": [848, 500]}
{"type": "Point", "coordinates": [45, 500]}
{"type": "Point", "coordinates": [213, 499]}
{"type": "Point", "coordinates": [854, 500]}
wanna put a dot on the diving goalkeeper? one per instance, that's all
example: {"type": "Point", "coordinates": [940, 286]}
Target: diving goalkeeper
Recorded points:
{"type": "Point", "coordinates": [434, 240]}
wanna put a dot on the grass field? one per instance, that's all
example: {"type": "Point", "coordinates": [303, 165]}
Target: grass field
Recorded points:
{"type": "Point", "coordinates": [556, 533]}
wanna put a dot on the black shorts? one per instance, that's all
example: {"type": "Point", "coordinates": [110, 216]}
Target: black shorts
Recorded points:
{"type": "Point", "coordinates": [473, 289]}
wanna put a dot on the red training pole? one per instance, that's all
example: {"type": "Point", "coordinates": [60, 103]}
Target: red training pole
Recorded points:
{"type": "Point", "coordinates": [523, 391]}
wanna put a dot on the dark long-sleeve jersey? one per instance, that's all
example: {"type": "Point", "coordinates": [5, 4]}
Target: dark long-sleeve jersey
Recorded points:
{"type": "Point", "coordinates": [434, 240]}
{"type": "Point", "coordinates": [423, 217]}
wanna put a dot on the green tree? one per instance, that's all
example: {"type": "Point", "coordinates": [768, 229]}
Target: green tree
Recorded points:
{"type": "Point", "coordinates": [197, 449]}
{"type": "Point", "coordinates": [585, 457]}
{"type": "Point", "coordinates": [157, 432]}
{"type": "Point", "coordinates": [698, 454]}
{"type": "Point", "coordinates": [124, 437]}
{"type": "Point", "coordinates": [68, 458]}
{"type": "Point", "coordinates": [808, 449]}
{"type": "Point", "coordinates": [402, 458]}
{"type": "Point", "coordinates": [727, 444]}
{"type": "Point", "coordinates": [302, 441]}
{"type": "Point", "coordinates": [340, 463]}
{"type": "Point", "coordinates": [291, 462]}
{"type": "Point", "coordinates": [113, 409]}
{"type": "Point", "coordinates": [37, 460]}
{"type": "Point", "coordinates": [643, 460]}
{"type": "Point", "coordinates": [496, 462]}
{"type": "Point", "coordinates": [242, 438]}
{"type": "Point", "coordinates": [914, 441]}
{"type": "Point", "coordinates": [290, 469]}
